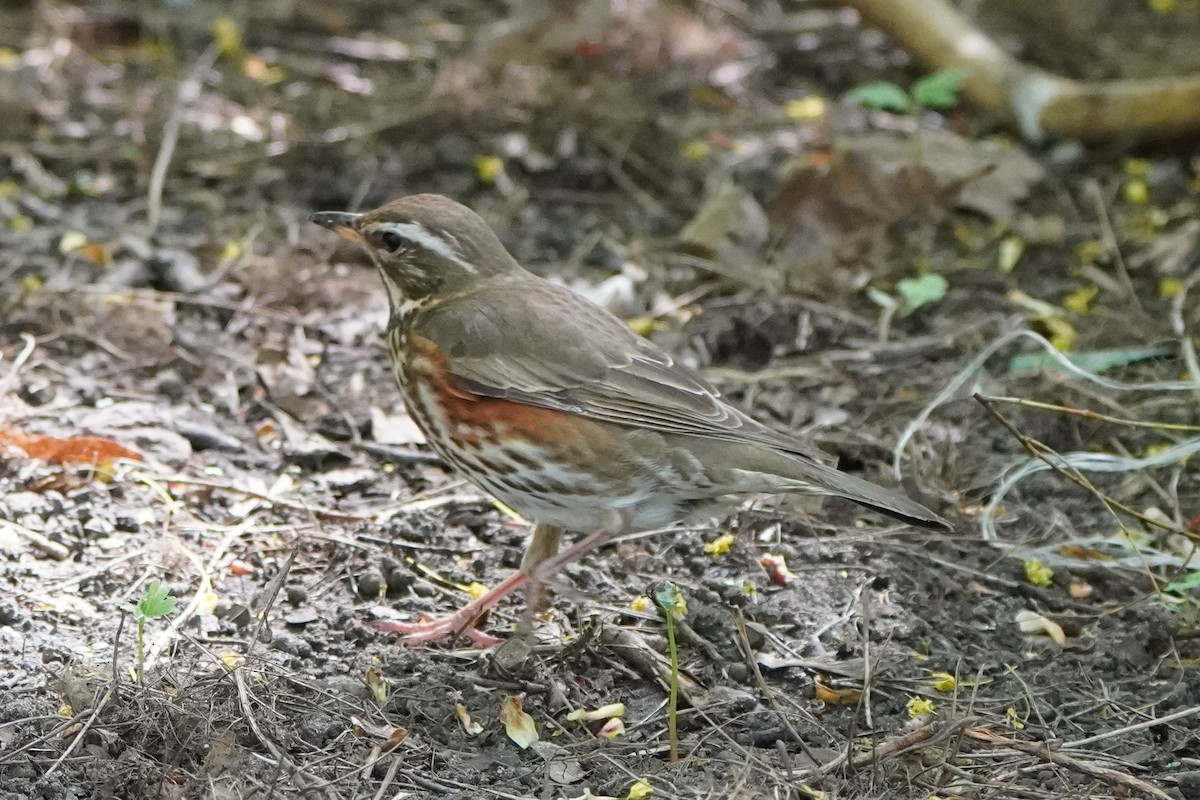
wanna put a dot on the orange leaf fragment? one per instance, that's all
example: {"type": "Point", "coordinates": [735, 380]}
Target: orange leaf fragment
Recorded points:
{"type": "Point", "coordinates": [74, 450]}
{"type": "Point", "coordinates": [835, 696]}
{"type": "Point", "coordinates": [240, 568]}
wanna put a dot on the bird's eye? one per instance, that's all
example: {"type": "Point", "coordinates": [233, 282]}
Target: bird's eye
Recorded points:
{"type": "Point", "coordinates": [391, 241]}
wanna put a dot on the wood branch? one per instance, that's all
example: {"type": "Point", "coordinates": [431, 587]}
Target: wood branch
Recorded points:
{"type": "Point", "coordinates": [1040, 104]}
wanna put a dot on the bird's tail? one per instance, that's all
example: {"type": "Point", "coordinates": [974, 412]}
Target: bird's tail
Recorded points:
{"type": "Point", "coordinates": [804, 475]}
{"type": "Point", "coordinates": [877, 498]}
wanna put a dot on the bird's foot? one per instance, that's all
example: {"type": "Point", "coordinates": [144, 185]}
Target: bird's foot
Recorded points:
{"type": "Point", "coordinates": [535, 570]}
{"type": "Point", "coordinates": [460, 622]}
{"type": "Point", "coordinates": [438, 629]}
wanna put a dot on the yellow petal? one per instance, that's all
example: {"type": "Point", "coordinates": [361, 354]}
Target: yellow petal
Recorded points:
{"type": "Point", "coordinates": [519, 726]}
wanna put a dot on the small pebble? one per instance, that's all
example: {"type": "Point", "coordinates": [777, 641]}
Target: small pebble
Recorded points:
{"type": "Point", "coordinates": [301, 616]}
{"type": "Point", "coordinates": [370, 583]}
{"type": "Point", "coordinates": [291, 644]}
{"type": "Point", "coordinates": [9, 614]}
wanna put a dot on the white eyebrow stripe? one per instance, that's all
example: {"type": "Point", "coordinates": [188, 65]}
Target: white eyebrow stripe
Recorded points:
{"type": "Point", "coordinates": [417, 233]}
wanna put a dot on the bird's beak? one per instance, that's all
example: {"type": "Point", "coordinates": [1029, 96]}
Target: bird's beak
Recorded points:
{"type": "Point", "coordinates": [340, 222]}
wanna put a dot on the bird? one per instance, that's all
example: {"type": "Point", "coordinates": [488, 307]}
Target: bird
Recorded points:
{"type": "Point", "coordinates": [557, 408]}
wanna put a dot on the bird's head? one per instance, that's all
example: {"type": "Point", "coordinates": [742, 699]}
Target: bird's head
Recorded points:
{"type": "Point", "coordinates": [424, 245]}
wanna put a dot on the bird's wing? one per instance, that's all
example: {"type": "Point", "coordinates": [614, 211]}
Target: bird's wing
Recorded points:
{"type": "Point", "coordinates": [590, 364]}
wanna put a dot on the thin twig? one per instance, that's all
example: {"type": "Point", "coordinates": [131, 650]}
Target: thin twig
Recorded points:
{"type": "Point", "coordinates": [1110, 240]}
{"type": "Point", "coordinates": [51, 548]}
{"type": "Point", "coordinates": [1148, 723]}
{"type": "Point", "coordinates": [868, 676]}
{"type": "Point", "coordinates": [1179, 328]}
{"type": "Point", "coordinates": [269, 596]}
{"type": "Point", "coordinates": [18, 362]}
{"type": "Point", "coordinates": [924, 736]}
{"type": "Point", "coordinates": [339, 516]}
{"type": "Point", "coordinates": [1093, 416]}
{"type": "Point", "coordinates": [189, 90]}
{"type": "Point", "coordinates": [739, 622]}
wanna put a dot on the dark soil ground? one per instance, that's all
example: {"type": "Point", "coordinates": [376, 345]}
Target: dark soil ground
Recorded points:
{"type": "Point", "coordinates": [692, 168]}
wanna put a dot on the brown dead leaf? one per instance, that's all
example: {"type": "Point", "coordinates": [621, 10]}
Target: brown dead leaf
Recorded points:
{"type": "Point", "coordinates": [644, 37]}
{"type": "Point", "coordinates": [388, 736]}
{"type": "Point", "coordinates": [869, 182]}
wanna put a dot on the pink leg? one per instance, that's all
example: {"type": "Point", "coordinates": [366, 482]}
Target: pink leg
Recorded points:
{"type": "Point", "coordinates": [460, 621]}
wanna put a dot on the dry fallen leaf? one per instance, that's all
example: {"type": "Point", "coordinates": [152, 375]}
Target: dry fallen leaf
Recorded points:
{"type": "Point", "coordinates": [389, 735]}
{"type": "Point", "coordinates": [872, 181]}
{"type": "Point", "coordinates": [561, 766]}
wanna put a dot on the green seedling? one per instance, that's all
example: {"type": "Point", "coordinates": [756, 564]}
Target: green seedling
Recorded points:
{"type": "Point", "coordinates": [1185, 586]}
{"type": "Point", "coordinates": [672, 605]}
{"type": "Point", "coordinates": [938, 90]}
{"type": "Point", "coordinates": [154, 603]}
{"type": "Point", "coordinates": [911, 294]}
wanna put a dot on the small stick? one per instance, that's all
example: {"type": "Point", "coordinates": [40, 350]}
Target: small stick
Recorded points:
{"type": "Point", "coordinates": [51, 548]}
{"type": "Point", "coordinates": [1110, 240]}
{"type": "Point", "coordinates": [1093, 416]}
{"type": "Point", "coordinates": [1054, 756]}
{"type": "Point", "coordinates": [18, 362]}
{"type": "Point", "coordinates": [923, 736]}
{"type": "Point", "coordinates": [189, 90]}
{"type": "Point", "coordinates": [739, 621]}
{"type": "Point", "coordinates": [1137, 726]}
